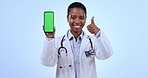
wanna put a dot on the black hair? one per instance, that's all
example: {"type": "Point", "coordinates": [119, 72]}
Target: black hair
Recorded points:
{"type": "Point", "coordinates": [76, 5]}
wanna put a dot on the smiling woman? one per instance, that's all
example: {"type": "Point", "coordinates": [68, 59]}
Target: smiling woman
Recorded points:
{"type": "Point", "coordinates": [75, 52]}
{"type": "Point", "coordinates": [123, 21]}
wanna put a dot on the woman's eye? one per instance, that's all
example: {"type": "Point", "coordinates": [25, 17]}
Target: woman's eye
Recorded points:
{"type": "Point", "coordinates": [73, 17]}
{"type": "Point", "coordinates": [81, 17]}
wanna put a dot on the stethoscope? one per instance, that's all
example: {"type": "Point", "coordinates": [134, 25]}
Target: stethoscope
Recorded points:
{"type": "Point", "coordinates": [89, 53]}
{"type": "Point", "coordinates": [63, 49]}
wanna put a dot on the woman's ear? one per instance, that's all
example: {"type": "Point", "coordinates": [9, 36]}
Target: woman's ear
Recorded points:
{"type": "Point", "coordinates": [67, 18]}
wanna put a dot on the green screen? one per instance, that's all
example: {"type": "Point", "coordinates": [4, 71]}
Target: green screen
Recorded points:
{"type": "Point", "coordinates": [48, 21]}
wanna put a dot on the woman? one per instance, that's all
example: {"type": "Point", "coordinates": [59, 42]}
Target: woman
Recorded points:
{"type": "Point", "coordinates": [75, 52]}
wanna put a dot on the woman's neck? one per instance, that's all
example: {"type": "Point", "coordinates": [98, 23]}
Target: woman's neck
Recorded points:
{"type": "Point", "coordinates": [76, 34]}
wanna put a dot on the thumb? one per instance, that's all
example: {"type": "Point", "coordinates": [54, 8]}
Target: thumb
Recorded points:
{"type": "Point", "coordinates": [92, 20]}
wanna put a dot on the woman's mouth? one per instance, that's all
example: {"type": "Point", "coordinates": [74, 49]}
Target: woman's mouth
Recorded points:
{"type": "Point", "coordinates": [77, 26]}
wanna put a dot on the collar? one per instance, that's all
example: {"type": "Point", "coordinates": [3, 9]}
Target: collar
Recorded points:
{"type": "Point", "coordinates": [71, 37]}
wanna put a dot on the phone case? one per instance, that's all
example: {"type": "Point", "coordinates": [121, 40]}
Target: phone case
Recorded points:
{"type": "Point", "coordinates": [48, 21]}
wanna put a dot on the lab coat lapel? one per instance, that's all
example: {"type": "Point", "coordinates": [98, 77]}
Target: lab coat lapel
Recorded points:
{"type": "Point", "coordinates": [84, 43]}
{"type": "Point", "coordinates": [69, 49]}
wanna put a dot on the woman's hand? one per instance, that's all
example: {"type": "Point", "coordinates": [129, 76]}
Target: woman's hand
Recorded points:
{"type": "Point", "coordinates": [92, 28]}
{"type": "Point", "coordinates": [50, 35]}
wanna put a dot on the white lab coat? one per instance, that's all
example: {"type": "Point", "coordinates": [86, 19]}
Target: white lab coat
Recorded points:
{"type": "Point", "coordinates": [50, 57]}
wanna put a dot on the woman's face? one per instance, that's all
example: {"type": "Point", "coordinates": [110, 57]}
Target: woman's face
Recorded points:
{"type": "Point", "coordinates": [76, 19]}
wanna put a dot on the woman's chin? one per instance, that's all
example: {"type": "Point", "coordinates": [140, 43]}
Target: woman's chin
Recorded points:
{"type": "Point", "coordinates": [78, 30]}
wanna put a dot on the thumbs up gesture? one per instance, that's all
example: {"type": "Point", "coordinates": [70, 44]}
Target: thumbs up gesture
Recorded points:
{"type": "Point", "coordinates": [92, 28]}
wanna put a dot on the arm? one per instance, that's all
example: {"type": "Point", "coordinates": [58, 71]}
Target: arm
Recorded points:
{"type": "Point", "coordinates": [49, 56]}
{"type": "Point", "coordinates": [102, 46]}
{"type": "Point", "coordinates": [103, 49]}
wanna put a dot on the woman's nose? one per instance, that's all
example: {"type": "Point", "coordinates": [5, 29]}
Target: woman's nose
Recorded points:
{"type": "Point", "coordinates": [77, 21]}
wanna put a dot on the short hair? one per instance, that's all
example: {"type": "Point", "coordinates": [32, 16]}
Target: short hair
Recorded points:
{"type": "Point", "coordinates": [76, 5]}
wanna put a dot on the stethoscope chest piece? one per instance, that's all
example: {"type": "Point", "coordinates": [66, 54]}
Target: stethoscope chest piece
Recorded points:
{"type": "Point", "coordinates": [62, 50]}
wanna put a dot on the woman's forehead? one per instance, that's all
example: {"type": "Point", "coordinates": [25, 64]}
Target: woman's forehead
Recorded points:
{"type": "Point", "coordinates": [76, 11]}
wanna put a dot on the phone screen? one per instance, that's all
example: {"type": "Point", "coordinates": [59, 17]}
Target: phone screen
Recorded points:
{"type": "Point", "coordinates": [48, 21]}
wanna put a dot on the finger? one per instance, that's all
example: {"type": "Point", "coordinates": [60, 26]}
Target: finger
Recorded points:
{"type": "Point", "coordinates": [54, 29]}
{"type": "Point", "coordinates": [43, 27]}
{"type": "Point", "coordinates": [89, 26]}
{"type": "Point", "coordinates": [47, 33]}
{"type": "Point", "coordinates": [92, 20]}
{"type": "Point", "coordinates": [91, 30]}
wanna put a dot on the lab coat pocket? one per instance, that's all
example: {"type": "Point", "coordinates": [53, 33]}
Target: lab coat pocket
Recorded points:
{"type": "Point", "coordinates": [88, 59]}
{"type": "Point", "coordinates": [89, 53]}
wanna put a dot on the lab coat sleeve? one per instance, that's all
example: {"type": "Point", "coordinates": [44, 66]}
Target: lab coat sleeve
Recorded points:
{"type": "Point", "coordinates": [49, 55]}
{"type": "Point", "coordinates": [103, 49]}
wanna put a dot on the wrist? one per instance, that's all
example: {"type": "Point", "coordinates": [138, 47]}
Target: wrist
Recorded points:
{"type": "Point", "coordinates": [50, 36]}
{"type": "Point", "coordinates": [97, 30]}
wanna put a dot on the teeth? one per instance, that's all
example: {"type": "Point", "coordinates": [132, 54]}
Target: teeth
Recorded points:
{"type": "Point", "coordinates": [76, 26]}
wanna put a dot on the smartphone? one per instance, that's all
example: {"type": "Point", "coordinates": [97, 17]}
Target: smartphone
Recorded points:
{"type": "Point", "coordinates": [49, 21]}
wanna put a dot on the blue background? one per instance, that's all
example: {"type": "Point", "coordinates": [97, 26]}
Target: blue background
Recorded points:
{"type": "Point", "coordinates": [125, 23]}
